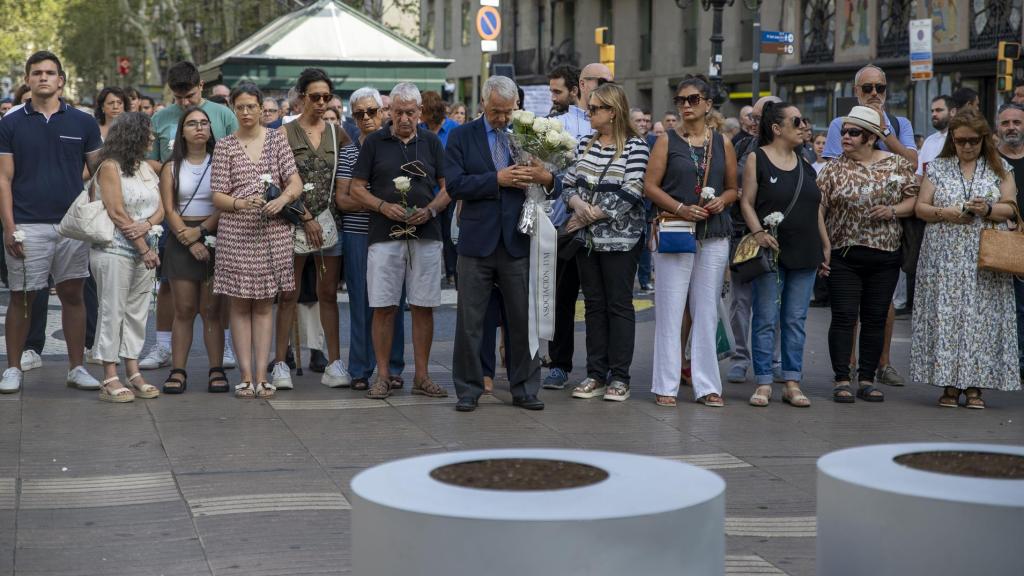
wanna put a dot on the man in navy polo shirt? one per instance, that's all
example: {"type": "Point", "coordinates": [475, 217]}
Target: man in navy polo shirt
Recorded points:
{"type": "Point", "coordinates": [44, 147]}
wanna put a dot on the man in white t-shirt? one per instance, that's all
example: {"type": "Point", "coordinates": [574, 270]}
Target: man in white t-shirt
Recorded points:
{"type": "Point", "coordinates": [933, 144]}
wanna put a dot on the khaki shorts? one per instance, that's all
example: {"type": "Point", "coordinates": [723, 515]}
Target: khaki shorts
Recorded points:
{"type": "Point", "coordinates": [412, 264]}
{"type": "Point", "coordinates": [47, 253]}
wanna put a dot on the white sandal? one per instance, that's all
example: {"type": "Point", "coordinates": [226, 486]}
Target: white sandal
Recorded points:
{"type": "Point", "coordinates": [265, 390]}
{"type": "Point", "coordinates": [245, 390]}
{"type": "Point", "coordinates": [146, 390]}
{"type": "Point", "coordinates": [120, 395]}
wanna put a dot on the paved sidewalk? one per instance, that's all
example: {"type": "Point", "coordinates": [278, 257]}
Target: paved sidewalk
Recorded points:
{"type": "Point", "coordinates": [207, 484]}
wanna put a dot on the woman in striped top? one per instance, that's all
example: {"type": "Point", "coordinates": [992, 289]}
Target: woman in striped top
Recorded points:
{"type": "Point", "coordinates": [604, 190]}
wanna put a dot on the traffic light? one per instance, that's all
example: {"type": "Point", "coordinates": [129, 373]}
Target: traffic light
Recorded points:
{"type": "Point", "coordinates": [1007, 53]}
{"type": "Point", "coordinates": [606, 51]}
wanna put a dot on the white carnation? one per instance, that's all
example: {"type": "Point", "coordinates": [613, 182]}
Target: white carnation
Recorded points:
{"type": "Point", "coordinates": [402, 183]}
{"type": "Point", "coordinates": [528, 116]}
{"type": "Point", "coordinates": [773, 220]}
{"type": "Point", "coordinates": [266, 179]}
{"type": "Point", "coordinates": [707, 193]}
{"type": "Point", "coordinates": [156, 231]}
{"type": "Point", "coordinates": [569, 141]}
{"type": "Point", "coordinates": [210, 241]}
{"type": "Point", "coordinates": [308, 187]}
{"type": "Point", "coordinates": [555, 124]}
{"type": "Point", "coordinates": [19, 236]}
{"type": "Point", "coordinates": [540, 125]}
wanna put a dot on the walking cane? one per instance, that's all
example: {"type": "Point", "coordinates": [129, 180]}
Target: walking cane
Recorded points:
{"type": "Point", "coordinates": [298, 346]}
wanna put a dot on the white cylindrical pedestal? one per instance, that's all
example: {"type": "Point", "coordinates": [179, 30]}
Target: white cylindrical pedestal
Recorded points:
{"type": "Point", "coordinates": [881, 518]}
{"type": "Point", "coordinates": [649, 517]}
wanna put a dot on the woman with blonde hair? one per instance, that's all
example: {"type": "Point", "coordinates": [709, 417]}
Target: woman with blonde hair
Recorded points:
{"type": "Point", "coordinates": [692, 176]}
{"type": "Point", "coordinates": [604, 189]}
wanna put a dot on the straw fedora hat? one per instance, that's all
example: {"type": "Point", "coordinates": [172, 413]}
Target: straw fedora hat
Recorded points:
{"type": "Point", "coordinates": [865, 117]}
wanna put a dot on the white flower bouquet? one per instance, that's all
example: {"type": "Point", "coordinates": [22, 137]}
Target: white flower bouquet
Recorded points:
{"type": "Point", "coordinates": [542, 138]}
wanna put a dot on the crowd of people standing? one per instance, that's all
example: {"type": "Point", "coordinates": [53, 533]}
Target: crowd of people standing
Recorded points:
{"type": "Point", "coordinates": [235, 207]}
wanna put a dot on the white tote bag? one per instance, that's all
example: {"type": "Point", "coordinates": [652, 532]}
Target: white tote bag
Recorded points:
{"type": "Point", "coordinates": [87, 219]}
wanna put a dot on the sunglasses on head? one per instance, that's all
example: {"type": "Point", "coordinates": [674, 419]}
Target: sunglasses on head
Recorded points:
{"type": "Point", "coordinates": [593, 109]}
{"type": "Point", "coordinates": [692, 100]}
{"type": "Point", "coordinates": [869, 88]}
{"type": "Point", "coordinates": [976, 140]}
{"type": "Point", "coordinates": [319, 97]}
{"type": "Point", "coordinates": [368, 113]}
{"type": "Point", "coordinates": [855, 132]}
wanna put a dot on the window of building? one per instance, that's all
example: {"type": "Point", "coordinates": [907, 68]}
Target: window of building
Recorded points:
{"type": "Point", "coordinates": [467, 22]}
{"type": "Point", "coordinates": [427, 27]}
{"type": "Point", "coordinates": [446, 25]}
{"type": "Point", "coordinates": [691, 29]}
{"type": "Point", "coordinates": [646, 28]}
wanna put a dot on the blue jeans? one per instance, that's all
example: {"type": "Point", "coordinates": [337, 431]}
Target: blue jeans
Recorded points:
{"type": "Point", "coordinates": [789, 293]}
{"type": "Point", "coordinates": [643, 269]}
{"type": "Point", "coordinates": [361, 359]}
{"type": "Point", "coordinates": [1018, 288]}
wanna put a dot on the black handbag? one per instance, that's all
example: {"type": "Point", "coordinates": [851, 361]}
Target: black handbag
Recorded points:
{"type": "Point", "coordinates": [750, 260]}
{"type": "Point", "coordinates": [293, 211]}
{"type": "Point", "coordinates": [569, 243]}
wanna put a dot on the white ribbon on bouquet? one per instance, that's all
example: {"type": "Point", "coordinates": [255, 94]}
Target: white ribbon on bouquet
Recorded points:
{"type": "Point", "coordinates": [543, 260]}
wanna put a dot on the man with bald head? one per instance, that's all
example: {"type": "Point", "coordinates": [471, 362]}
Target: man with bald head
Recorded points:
{"type": "Point", "coordinates": [746, 127]}
{"type": "Point", "coordinates": [870, 88]}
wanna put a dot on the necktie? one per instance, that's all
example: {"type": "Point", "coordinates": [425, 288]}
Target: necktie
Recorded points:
{"type": "Point", "coordinates": [500, 151]}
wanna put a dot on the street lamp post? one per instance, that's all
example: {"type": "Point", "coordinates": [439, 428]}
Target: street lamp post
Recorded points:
{"type": "Point", "coordinates": [715, 69]}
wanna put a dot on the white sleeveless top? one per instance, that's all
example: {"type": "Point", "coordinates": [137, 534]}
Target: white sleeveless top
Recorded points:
{"type": "Point", "coordinates": [188, 180]}
{"type": "Point", "coordinates": [141, 196]}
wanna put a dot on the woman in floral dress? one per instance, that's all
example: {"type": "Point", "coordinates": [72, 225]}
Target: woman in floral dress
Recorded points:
{"type": "Point", "coordinates": [965, 335]}
{"type": "Point", "coordinates": [254, 244]}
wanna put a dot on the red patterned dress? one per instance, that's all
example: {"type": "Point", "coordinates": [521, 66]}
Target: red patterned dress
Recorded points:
{"type": "Point", "coordinates": [254, 254]}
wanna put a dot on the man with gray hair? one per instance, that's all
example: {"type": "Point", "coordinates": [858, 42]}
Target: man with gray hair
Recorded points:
{"type": "Point", "coordinates": [395, 176]}
{"type": "Point", "coordinates": [480, 171]}
{"type": "Point", "coordinates": [1010, 128]}
{"type": "Point", "coordinates": [870, 88]}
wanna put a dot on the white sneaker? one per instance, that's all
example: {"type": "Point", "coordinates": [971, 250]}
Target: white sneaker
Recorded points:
{"type": "Point", "coordinates": [79, 377]}
{"type": "Point", "coordinates": [11, 381]}
{"type": "Point", "coordinates": [158, 357]}
{"type": "Point", "coordinates": [229, 358]}
{"type": "Point", "coordinates": [335, 376]}
{"type": "Point", "coordinates": [281, 377]}
{"type": "Point", "coordinates": [30, 360]}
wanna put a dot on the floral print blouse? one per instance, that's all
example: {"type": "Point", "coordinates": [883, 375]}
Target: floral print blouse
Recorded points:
{"type": "Point", "coordinates": [849, 190]}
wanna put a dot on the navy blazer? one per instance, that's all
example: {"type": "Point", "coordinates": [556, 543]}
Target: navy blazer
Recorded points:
{"type": "Point", "coordinates": [489, 211]}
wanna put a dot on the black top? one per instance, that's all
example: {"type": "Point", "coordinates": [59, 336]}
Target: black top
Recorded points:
{"type": "Point", "coordinates": [381, 158]}
{"type": "Point", "coordinates": [1018, 177]}
{"type": "Point", "coordinates": [680, 181]}
{"type": "Point", "coordinates": [798, 236]}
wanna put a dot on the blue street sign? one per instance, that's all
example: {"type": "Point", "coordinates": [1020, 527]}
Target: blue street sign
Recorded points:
{"type": "Point", "coordinates": [773, 37]}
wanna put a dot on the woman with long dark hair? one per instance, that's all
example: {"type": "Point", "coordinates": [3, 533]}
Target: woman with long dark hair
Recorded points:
{"type": "Point", "coordinates": [692, 175]}
{"type": "Point", "coordinates": [110, 103]}
{"type": "Point", "coordinates": [964, 335]}
{"type": "Point", "coordinates": [315, 145]}
{"type": "Point", "coordinates": [785, 217]}
{"type": "Point", "coordinates": [255, 253]}
{"type": "Point", "coordinates": [123, 269]}
{"type": "Point", "coordinates": [188, 256]}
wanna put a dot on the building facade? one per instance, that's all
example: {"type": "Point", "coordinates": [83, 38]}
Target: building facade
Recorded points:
{"type": "Point", "coordinates": [657, 42]}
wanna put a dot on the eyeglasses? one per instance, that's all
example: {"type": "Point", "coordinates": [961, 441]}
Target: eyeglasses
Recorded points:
{"type": "Point", "coordinates": [593, 109]}
{"type": "Point", "coordinates": [246, 107]}
{"type": "Point", "coordinates": [869, 88]}
{"type": "Point", "coordinates": [692, 100]}
{"type": "Point", "coordinates": [967, 141]}
{"type": "Point", "coordinates": [314, 98]}
{"type": "Point", "coordinates": [855, 132]}
{"type": "Point", "coordinates": [270, 110]}
{"type": "Point", "coordinates": [368, 113]}
{"type": "Point", "coordinates": [197, 124]}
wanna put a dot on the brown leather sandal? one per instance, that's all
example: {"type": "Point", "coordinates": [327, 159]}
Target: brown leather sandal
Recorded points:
{"type": "Point", "coordinates": [950, 397]}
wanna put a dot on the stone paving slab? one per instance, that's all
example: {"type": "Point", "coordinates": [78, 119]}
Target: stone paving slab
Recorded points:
{"type": "Point", "coordinates": [262, 487]}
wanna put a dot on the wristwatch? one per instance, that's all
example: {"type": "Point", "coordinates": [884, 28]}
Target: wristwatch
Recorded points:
{"type": "Point", "coordinates": [433, 213]}
{"type": "Point", "coordinates": [886, 132]}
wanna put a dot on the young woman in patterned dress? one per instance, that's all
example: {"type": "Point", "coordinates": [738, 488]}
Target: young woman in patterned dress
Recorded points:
{"type": "Point", "coordinates": [254, 244]}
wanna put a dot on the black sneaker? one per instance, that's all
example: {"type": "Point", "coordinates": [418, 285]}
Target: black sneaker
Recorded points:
{"type": "Point", "coordinates": [317, 361]}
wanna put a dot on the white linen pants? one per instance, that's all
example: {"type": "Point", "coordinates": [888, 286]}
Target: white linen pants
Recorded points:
{"type": "Point", "coordinates": [700, 276]}
{"type": "Point", "coordinates": [125, 287]}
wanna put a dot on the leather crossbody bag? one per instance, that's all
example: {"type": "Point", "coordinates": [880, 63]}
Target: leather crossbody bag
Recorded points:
{"type": "Point", "coordinates": [751, 260]}
{"type": "Point", "coordinates": [328, 228]}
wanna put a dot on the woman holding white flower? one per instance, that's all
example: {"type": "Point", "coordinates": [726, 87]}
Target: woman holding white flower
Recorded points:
{"type": "Point", "coordinates": [315, 145]}
{"type": "Point", "coordinates": [188, 255]}
{"type": "Point", "coordinates": [254, 243]}
{"type": "Point", "coordinates": [786, 217]}
{"type": "Point", "coordinates": [123, 269]}
{"type": "Point", "coordinates": [692, 175]}
{"type": "Point", "coordinates": [604, 190]}
{"type": "Point", "coordinates": [864, 193]}
{"type": "Point", "coordinates": [965, 336]}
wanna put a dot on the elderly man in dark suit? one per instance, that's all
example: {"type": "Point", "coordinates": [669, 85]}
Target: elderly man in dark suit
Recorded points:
{"type": "Point", "coordinates": [480, 171]}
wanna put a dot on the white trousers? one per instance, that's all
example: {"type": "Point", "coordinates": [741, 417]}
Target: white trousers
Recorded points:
{"type": "Point", "coordinates": [700, 277]}
{"type": "Point", "coordinates": [125, 287]}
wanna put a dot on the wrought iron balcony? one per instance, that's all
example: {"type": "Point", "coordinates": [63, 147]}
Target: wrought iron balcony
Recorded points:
{"type": "Point", "coordinates": [818, 31]}
{"type": "Point", "coordinates": [894, 22]}
{"type": "Point", "coordinates": [994, 20]}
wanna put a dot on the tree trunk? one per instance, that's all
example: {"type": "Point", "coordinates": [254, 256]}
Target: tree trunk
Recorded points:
{"type": "Point", "coordinates": [180, 36]}
{"type": "Point", "coordinates": [140, 19]}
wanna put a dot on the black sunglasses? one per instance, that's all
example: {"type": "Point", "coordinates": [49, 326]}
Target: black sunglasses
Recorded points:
{"type": "Point", "coordinates": [319, 97]}
{"type": "Point", "coordinates": [855, 132]}
{"type": "Point", "coordinates": [967, 141]}
{"type": "Point", "coordinates": [368, 113]}
{"type": "Point", "coordinates": [593, 109]}
{"type": "Point", "coordinates": [692, 100]}
{"type": "Point", "coordinates": [869, 88]}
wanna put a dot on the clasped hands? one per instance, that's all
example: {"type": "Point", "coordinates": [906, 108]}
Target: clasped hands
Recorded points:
{"type": "Point", "coordinates": [396, 212]}
{"type": "Point", "coordinates": [519, 176]}
{"type": "Point", "coordinates": [584, 214]}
